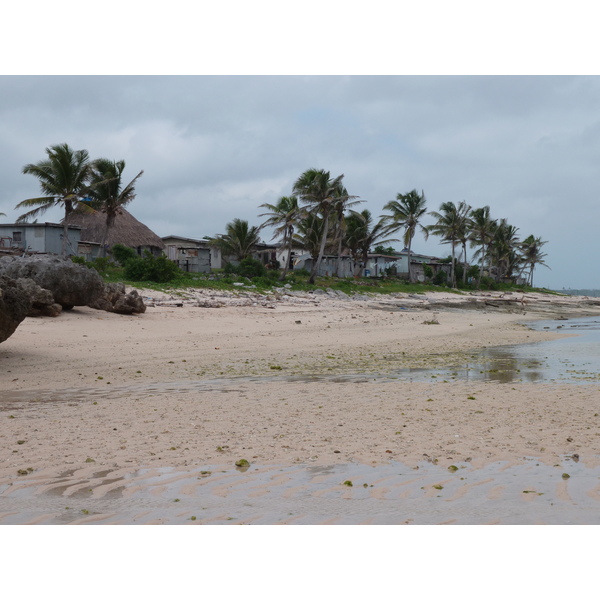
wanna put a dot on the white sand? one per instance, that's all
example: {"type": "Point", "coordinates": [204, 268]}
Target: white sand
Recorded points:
{"type": "Point", "coordinates": [138, 392]}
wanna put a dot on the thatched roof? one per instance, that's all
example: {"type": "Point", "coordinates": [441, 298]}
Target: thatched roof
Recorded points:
{"type": "Point", "coordinates": [127, 230]}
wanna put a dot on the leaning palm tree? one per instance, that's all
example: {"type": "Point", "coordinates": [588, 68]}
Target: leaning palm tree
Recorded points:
{"type": "Point", "coordinates": [407, 211]}
{"type": "Point", "coordinates": [504, 249]}
{"type": "Point", "coordinates": [238, 240]}
{"type": "Point", "coordinates": [108, 195]}
{"type": "Point", "coordinates": [309, 233]}
{"type": "Point", "coordinates": [531, 249]}
{"type": "Point", "coordinates": [481, 233]}
{"type": "Point", "coordinates": [64, 178]}
{"type": "Point", "coordinates": [284, 216]}
{"type": "Point", "coordinates": [319, 192]}
{"type": "Point", "coordinates": [450, 226]}
{"type": "Point", "coordinates": [342, 202]}
{"type": "Point", "coordinates": [463, 235]}
{"type": "Point", "coordinates": [362, 233]}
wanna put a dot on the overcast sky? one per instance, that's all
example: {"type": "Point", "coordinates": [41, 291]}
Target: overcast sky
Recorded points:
{"type": "Point", "coordinates": [216, 147]}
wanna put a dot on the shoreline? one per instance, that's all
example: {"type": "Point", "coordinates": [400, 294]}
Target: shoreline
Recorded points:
{"type": "Point", "coordinates": [105, 393]}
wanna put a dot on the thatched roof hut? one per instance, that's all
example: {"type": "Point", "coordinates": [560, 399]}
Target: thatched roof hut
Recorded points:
{"type": "Point", "coordinates": [126, 230]}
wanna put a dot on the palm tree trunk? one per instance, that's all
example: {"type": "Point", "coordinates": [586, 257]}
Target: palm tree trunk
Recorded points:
{"type": "Point", "coordinates": [339, 256]}
{"type": "Point", "coordinates": [453, 275]}
{"type": "Point", "coordinates": [68, 211]}
{"type": "Point", "coordinates": [317, 264]}
{"type": "Point", "coordinates": [410, 276]}
{"type": "Point", "coordinates": [288, 257]}
{"type": "Point", "coordinates": [481, 267]}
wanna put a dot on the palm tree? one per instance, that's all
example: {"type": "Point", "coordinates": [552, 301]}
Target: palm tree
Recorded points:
{"type": "Point", "coordinates": [362, 233]}
{"type": "Point", "coordinates": [319, 192]}
{"type": "Point", "coordinates": [504, 249]}
{"type": "Point", "coordinates": [239, 240]}
{"type": "Point", "coordinates": [107, 193]}
{"type": "Point", "coordinates": [63, 178]}
{"type": "Point", "coordinates": [309, 233]}
{"type": "Point", "coordinates": [531, 248]}
{"type": "Point", "coordinates": [407, 211]}
{"type": "Point", "coordinates": [284, 216]}
{"type": "Point", "coordinates": [450, 226]}
{"type": "Point", "coordinates": [463, 234]}
{"type": "Point", "coordinates": [342, 201]}
{"type": "Point", "coordinates": [481, 233]}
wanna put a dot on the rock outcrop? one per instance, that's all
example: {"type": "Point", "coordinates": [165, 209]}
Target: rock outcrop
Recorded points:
{"type": "Point", "coordinates": [15, 304]}
{"type": "Point", "coordinates": [70, 284]}
{"type": "Point", "coordinates": [42, 301]}
{"type": "Point", "coordinates": [115, 299]}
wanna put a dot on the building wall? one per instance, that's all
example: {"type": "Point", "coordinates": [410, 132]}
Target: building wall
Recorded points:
{"type": "Point", "coordinates": [38, 238]}
{"type": "Point", "coordinates": [192, 256]}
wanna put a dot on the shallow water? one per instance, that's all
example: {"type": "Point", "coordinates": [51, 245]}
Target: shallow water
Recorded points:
{"type": "Point", "coordinates": [574, 359]}
{"type": "Point", "coordinates": [529, 493]}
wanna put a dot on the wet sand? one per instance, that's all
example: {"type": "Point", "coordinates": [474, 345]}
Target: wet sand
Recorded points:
{"type": "Point", "coordinates": [141, 419]}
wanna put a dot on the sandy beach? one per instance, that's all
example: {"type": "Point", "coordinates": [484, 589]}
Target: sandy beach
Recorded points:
{"type": "Point", "coordinates": [140, 419]}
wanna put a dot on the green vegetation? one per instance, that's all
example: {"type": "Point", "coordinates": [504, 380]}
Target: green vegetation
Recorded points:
{"type": "Point", "coordinates": [151, 268]}
{"type": "Point", "coordinates": [317, 217]}
{"type": "Point", "coordinates": [69, 179]}
{"type": "Point", "coordinates": [224, 279]}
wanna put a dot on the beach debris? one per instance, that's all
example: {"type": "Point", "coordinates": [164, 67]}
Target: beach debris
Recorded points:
{"type": "Point", "coordinates": [575, 457]}
{"type": "Point", "coordinates": [347, 483]}
{"type": "Point", "coordinates": [565, 476]}
{"type": "Point", "coordinates": [452, 468]}
{"type": "Point", "coordinates": [430, 322]}
{"type": "Point", "coordinates": [569, 439]}
{"type": "Point", "coordinates": [242, 465]}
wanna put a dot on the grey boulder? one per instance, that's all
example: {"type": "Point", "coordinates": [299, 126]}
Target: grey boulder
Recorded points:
{"type": "Point", "coordinates": [70, 284]}
{"type": "Point", "coordinates": [15, 304]}
{"type": "Point", "coordinates": [115, 299]}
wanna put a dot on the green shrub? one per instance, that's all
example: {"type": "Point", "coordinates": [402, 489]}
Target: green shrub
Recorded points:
{"type": "Point", "coordinates": [488, 283]}
{"type": "Point", "coordinates": [440, 278]}
{"type": "Point", "coordinates": [122, 253]}
{"type": "Point", "coordinates": [262, 282]}
{"type": "Point", "coordinates": [101, 264]}
{"type": "Point", "coordinates": [250, 267]}
{"type": "Point", "coordinates": [151, 268]}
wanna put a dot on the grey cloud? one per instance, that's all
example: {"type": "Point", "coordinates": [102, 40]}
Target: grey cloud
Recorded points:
{"type": "Point", "coordinates": [216, 147]}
